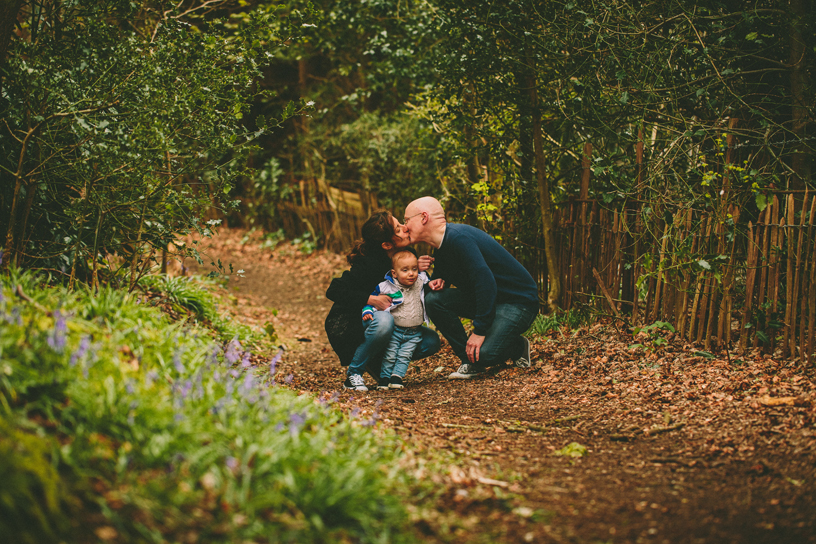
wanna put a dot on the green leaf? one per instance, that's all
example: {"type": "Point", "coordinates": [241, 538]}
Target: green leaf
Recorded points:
{"type": "Point", "coordinates": [704, 264]}
{"type": "Point", "coordinates": [761, 201]}
{"type": "Point", "coordinates": [573, 449]}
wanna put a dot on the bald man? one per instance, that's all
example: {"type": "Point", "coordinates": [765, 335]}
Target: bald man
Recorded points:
{"type": "Point", "coordinates": [482, 282]}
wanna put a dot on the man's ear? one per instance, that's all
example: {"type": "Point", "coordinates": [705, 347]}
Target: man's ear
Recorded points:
{"type": "Point", "coordinates": [388, 246]}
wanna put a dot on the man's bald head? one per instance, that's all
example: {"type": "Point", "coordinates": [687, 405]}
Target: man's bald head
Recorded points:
{"type": "Point", "coordinates": [425, 220]}
{"type": "Point", "coordinates": [427, 204]}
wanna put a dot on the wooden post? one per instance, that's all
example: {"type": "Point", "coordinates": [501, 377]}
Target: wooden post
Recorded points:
{"type": "Point", "coordinates": [705, 226]}
{"type": "Point", "coordinates": [786, 331]}
{"type": "Point", "coordinates": [681, 315]}
{"type": "Point", "coordinates": [777, 235]}
{"type": "Point", "coordinates": [764, 261]}
{"type": "Point", "coordinates": [798, 287]}
{"type": "Point", "coordinates": [751, 273]}
{"type": "Point", "coordinates": [811, 298]}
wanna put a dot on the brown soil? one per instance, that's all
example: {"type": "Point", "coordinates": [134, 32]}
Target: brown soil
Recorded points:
{"type": "Point", "coordinates": [679, 447]}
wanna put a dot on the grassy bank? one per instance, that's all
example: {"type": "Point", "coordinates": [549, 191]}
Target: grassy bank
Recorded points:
{"type": "Point", "coordinates": [118, 424]}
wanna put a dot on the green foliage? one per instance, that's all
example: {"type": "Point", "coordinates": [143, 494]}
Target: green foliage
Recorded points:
{"type": "Point", "coordinates": [544, 324]}
{"type": "Point", "coordinates": [122, 130]}
{"type": "Point", "coordinates": [178, 434]}
{"type": "Point", "coordinates": [573, 450]}
{"type": "Point", "coordinates": [34, 505]}
{"type": "Point", "coordinates": [653, 335]}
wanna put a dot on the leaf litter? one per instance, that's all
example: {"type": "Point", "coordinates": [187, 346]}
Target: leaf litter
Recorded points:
{"type": "Point", "coordinates": [664, 445]}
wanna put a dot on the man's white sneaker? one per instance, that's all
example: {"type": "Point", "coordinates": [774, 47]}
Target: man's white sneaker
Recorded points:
{"type": "Point", "coordinates": [467, 371]}
{"type": "Point", "coordinates": [355, 382]}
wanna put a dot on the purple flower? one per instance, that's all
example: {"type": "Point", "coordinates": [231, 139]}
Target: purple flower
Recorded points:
{"type": "Point", "coordinates": [177, 362]}
{"type": "Point", "coordinates": [296, 421]}
{"type": "Point", "coordinates": [249, 383]}
{"type": "Point", "coordinates": [274, 362]}
{"type": "Point", "coordinates": [186, 388]}
{"type": "Point", "coordinates": [289, 378]}
{"type": "Point", "coordinates": [233, 351]}
{"type": "Point", "coordinates": [234, 373]}
{"type": "Point", "coordinates": [57, 339]}
{"type": "Point", "coordinates": [245, 359]}
{"type": "Point", "coordinates": [129, 387]}
{"type": "Point", "coordinates": [231, 462]}
{"type": "Point", "coordinates": [152, 376]}
{"type": "Point", "coordinates": [81, 351]}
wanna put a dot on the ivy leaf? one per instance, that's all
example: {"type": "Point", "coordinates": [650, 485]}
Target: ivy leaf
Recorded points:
{"type": "Point", "coordinates": [704, 264]}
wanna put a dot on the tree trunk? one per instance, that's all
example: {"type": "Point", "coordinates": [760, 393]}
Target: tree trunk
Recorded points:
{"type": "Point", "coordinates": [545, 201]}
{"type": "Point", "coordinates": [8, 17]}
{"type": "Point", "coordinates": [799, 83]}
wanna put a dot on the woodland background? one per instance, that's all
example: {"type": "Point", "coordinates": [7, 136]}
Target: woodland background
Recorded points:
{"type": "Point", "coordinates": [667, 146]}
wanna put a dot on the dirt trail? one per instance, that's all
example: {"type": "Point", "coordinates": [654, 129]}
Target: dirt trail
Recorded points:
{"type": "Point", "coordinates": [679, 446]}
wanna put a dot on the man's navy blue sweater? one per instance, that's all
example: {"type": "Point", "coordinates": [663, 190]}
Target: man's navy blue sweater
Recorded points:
{"type": "Point", "coordinates": [471, 260]}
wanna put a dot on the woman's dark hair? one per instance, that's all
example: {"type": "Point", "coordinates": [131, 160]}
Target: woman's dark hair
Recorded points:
{"type": "Point", "coordinates": [377, 229]}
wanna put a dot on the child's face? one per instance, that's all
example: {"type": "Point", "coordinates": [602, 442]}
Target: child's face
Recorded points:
{"type": "Point", "coordinates": [405, 269]}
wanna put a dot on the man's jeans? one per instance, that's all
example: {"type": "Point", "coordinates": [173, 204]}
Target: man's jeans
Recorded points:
{"type": "Point", "coordinates": [503, 339]}
{"type": "Point", "coordinates": [400, 350]}
{"type": "Point", "coordinates": [378, 332]}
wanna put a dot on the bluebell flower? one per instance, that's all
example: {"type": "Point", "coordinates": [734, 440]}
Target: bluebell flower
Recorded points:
{"type": "Point", "coordinates": [57, 339]}
{"type": "Point", "coordinates": [248, 385]}
{"type": "Point", "coordinates": [245, 359]}
{"type": "Point", "coordinates": [129, 387]}
{"type": "Point", "coordinates": [296, 421]}
{"type": "Point", "coordinates": [231, 462]}
{"type": "Point", "coordinates": [177, 363]}
{"type": "Point", "coordinates": [82, 349]}
{"type": "Point", "coordinates": [186, 388]}
{"type": "Point", "coordinates": [152, 376]}
{"type": "Point", "coordinates": [289, 378]}
{"type": "Point", "coordinates": [274, 362]}
{"type": "Point", "coordinates": [233, 351]}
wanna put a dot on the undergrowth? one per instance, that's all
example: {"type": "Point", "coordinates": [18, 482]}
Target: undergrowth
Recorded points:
{"type": "Point", "coordinates": [116, 424]}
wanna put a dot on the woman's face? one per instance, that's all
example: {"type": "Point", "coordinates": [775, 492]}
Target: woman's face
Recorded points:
{"type": "Point", "coordinates": [401, 238]}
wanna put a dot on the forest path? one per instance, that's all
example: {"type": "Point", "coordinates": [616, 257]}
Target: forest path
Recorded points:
{"type": "Point", "coordinates": [679, 446]}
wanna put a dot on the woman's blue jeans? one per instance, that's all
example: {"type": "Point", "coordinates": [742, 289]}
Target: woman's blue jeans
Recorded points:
{"type": "Point", "coordinates": [503, 339]}
{"type": "Point", "coordinates": [378, 332]}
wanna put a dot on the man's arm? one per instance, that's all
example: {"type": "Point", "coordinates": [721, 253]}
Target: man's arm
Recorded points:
{"type": "Point", "coordinates": [469, 259]}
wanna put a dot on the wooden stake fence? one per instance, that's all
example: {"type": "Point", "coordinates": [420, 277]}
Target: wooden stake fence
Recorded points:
{"type": "Point", "coordinates": [720, 286]}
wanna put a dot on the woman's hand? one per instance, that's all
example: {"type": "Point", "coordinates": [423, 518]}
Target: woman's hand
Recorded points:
{"type": "Point", "coordinates": [424, 262]}
{"type": "Point", "coordinates": [437, 284]}
{"type": "Point", "coordinates": [381, 302]}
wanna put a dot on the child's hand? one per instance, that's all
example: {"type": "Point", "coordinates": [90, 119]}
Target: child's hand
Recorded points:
{"type": "Point", "coordinates": [437, 284]}
{"type": "Point", "coordinates": [424, 262]}
{"type": "Point", "coordinates": [367, 317]}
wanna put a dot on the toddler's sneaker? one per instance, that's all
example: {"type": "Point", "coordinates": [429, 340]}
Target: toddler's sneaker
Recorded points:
{"type": "Point", "coordinates": [355, 382]}
{"type": "Point", "coordinates": [382, 383]}
{"type": "Point", "coordinates": [396, 382]}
